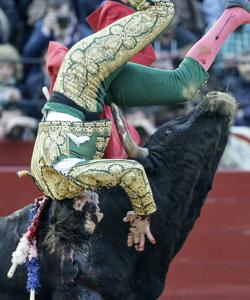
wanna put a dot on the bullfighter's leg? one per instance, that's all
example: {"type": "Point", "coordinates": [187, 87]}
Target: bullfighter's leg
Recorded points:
{"type": "Point", "coordinates": [91, 64]}
{"type": "Point", "coordinates": [128, 174]}
{"type": "Point", "coordinates": [236, 14]}
{"type": "Point", "coordinates": [139, 85]}
{"type": "Point", "coordinates": [67, 160]}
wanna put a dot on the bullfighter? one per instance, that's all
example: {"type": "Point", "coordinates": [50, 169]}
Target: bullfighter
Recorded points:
{"type": "Point", "coordinates": [71, 140]}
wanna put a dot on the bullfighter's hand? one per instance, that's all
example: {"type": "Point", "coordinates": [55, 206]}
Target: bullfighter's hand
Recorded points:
{"type": "Point", "coordinates": [139, 228]}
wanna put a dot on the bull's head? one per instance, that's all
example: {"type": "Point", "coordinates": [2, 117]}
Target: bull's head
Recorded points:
{"type": "Point", "coordinates": [218, 108]}
{"type": "Point", "coordinates": [183, 156]}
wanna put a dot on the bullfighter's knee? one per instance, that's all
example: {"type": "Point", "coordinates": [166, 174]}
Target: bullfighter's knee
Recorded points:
{"type": "Point", "coordinates": [135, 172]}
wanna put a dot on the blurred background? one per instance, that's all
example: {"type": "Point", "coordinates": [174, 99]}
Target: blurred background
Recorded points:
{"type": "Point", "coordinates": [221, 269]}
{"type": "Point", "coordinates": [27, 27]}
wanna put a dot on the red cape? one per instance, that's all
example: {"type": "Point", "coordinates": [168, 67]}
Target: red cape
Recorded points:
{"type": "Point", "coordinates": [55, 56]}
{"type": "Point", "coordinates": [102, 17]}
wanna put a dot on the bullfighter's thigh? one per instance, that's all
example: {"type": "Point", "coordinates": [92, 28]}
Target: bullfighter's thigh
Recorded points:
{"type": "Point", "coordinates": [92, 60]}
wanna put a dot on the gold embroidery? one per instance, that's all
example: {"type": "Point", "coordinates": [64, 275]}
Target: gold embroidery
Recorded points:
{"type": "Point", "coordinates": [100, 144]}
{"type": "Point", "coordinates": [89, 175]}
{"type": "Point", "coordinates": [140, 4]}
{"type": "Point", "coordinates": [94, 58]}
{"type": "Point", "coordinates": [128, 174]}
{"type": "Point", "coordinates": [98, 155]}
{"type": "Point", "coordinates": [52, 145]}
{"type": "Point", "coordinates": [60, 187]}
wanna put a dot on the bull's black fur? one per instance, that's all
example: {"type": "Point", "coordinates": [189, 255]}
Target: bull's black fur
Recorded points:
{"type": "Point", "coordinates": [183, 158]}
{"type": "Point", "coordinates": [62, 214]}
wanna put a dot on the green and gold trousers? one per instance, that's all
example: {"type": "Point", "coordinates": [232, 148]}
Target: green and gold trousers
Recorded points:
{"type": "Point", "coordinates": [95, 71]}
{"type": "Point", "coordinates": [91, 64]}
{"type": "Point", "coordinates": [84, 145]}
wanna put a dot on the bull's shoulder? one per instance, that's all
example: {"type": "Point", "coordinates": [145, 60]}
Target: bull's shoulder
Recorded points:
{"type": "Point", "coordinates": [15, 223]}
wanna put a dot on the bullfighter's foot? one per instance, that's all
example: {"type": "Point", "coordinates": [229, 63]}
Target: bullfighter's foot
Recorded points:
{"type": "Point", "coordinates": [88, 202]}
{"type": "Point", "coordinates": [139, 228]}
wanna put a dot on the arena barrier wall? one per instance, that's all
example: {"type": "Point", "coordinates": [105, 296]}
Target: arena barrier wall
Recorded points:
{"type": "Point", "coordinates": [214, 263]}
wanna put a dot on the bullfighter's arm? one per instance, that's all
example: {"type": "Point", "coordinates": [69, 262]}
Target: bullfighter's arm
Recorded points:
{"type": "Point", "coordinates": [137, 85]}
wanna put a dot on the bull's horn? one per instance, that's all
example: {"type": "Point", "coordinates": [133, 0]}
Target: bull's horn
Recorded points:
{"type": "Point", "coordinates": [132, 149]}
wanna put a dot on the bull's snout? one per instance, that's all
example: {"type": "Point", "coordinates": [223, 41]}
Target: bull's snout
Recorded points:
{"type": "Point", "coordinates": [221, 104]}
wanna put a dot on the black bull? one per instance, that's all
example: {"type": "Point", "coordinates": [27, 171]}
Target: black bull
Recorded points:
{"type": "Point", "coordinates": [183, 157]}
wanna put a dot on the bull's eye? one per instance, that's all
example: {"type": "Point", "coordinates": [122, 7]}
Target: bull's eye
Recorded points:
{"type": "Point", "coordinates": [168, 132]}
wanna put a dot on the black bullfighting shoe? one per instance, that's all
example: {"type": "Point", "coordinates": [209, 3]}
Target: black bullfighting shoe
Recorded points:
{"type": "Point", "coordinates": [245, 4]}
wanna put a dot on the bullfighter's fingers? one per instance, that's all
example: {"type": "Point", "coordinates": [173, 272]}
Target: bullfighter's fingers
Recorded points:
{"type": "Point", "coordinates": [132, 229]}
{"type": "Point", "coordinates": [150, 236]}
{"type": "Point", "coordinates": [130, 239]}
{"type": "Point", "coordinates": [140, 247]}
{"type": "Point", "coordinates": [136, 238]}
{"type": "Point", "coordinates": [137, 248]}
{"type": "Point", "coordinates": [142, 242]}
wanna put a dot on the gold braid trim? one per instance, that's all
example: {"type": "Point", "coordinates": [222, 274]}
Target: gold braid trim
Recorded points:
{"type": "Point", "coordinates": [129, 174]}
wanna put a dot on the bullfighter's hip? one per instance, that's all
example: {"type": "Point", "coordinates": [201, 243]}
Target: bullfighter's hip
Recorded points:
{"type": "Point", "coordinates": [57, 141]}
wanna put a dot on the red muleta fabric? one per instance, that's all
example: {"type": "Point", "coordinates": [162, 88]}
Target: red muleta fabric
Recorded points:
{"type": "Point", "coordinates": [99, 19]}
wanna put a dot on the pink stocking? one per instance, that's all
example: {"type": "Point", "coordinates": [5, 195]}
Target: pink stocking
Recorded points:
{"type": "Point", "coordinates": [205, 50]}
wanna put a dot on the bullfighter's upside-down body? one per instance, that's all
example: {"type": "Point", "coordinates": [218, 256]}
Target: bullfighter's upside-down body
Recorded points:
{"type": "Point", "coordinates": [69, 150]}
